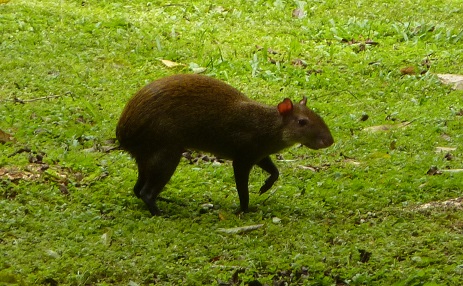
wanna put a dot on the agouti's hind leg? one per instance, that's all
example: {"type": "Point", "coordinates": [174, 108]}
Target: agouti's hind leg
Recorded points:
{"type": "Point", "coordinates": [158, 169]}
{"type": "Point", "coordinates": [140, 180]}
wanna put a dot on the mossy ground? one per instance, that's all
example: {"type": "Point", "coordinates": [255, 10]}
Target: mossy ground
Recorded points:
{"type": "Point", "coordinates": [68, 214]}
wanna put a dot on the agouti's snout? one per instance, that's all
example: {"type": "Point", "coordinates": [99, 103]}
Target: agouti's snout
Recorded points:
{"type": "Point", "coordinates": [201, 113]}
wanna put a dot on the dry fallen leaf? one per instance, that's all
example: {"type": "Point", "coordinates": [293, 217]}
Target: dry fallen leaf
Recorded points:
{"type": "Point", "coordinates": [446, 137]}
{"type": "Point", "coordinates": [352, 161]}
{"type": "Point", "coordinates": [299, 63]}
{"type": "Point", "coordinates": [272, 61]}
{"type": "Point", "coordinates": [455, 80]}
{"type": "Point", "coordinates": [310, 168]}
{"type": "Point", "coordinates": [197, 68]}
{"type": "Point", "coordinates": [14, 174]}
{"type": "Point", "coordinates": [452, 170]}
{"type": "Point", "coordinates": [445, 149]}
{"type": "Point", "coordinates": [452, 203]}
{"type": "Point", "coordinates": [276, 220]}
{"type": "Point", "coordinates": [218, 9]}
{"type": "Point", "coordinates": [371, 42]}
{"type": "Point", "coordinates": [241, 229]}
{"type": "Point", "coordinates": [449, 157]}
{"type": "Point", "coordinates": [170, 64]}
{"type": "Point", "coordinates": [408, 70]}
{"type": "Point", "coordinates": [5, 137]}
{"type": "Point", "coordinates": [106, 239]}
{"type": "Point", "coordinates": [385, 127]}
{"type": "Point", "coordinates": [298, 13]}
{"type": "Point", "coordinates": [272, 51]}
{"type": "Point", "coordinates": [433, 171]}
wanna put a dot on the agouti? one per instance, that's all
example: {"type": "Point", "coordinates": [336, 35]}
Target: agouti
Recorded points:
{"type": "Point", "coordinates": [198, 112]}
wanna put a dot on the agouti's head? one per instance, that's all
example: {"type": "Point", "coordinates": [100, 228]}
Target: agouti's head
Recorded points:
{"type": "Point", "coordinates": [304, 126]}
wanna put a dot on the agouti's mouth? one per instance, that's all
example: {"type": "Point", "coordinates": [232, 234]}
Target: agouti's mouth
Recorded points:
{"type": "Point", "coordinates": [321, 143]}
{"type": "Point", "coordinates": [327, 142]}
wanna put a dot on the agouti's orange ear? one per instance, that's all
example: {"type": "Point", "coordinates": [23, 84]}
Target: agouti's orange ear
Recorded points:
{"type": "Point", "coordinates": [285, 107]}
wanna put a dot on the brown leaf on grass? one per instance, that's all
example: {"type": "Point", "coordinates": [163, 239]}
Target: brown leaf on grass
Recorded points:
{"type": "Point", "coordinates": [170, 64]}
{"type": "Point", "coordinates": [38, 171]}
{"type": "Point", "coordinates": [215, 258]}
{"type": "Point", "coordinates": [272, 61]}
{"type": "Point", "coordinates": [5, 137]}
{"type": "Point", "coordinates": [299, 63]}
{"type": "Point", "coordinates": [359, 45]}
{"type": "Point", "coordinates": [63, 189]}
{"type": "Point", "coordinates": [371, 42]}
{"type": "Point", "coordinates": [408, 70]}
{"type": "Point", "coordinates": [14, 174]}
{"type": "Point", "coordinates": [386, 127]}
{"type": "Point", "coordinates": [448, 157]}
{"type": "Point", "coordinates": [313, 71]}
{"type": "Point", "coordinates": [455, 80]}
{"type": "Point", "coordinates": [433, 171]}
{"type": "Point", "coordinates": [349, 42]}
{"type": "Point", "coordinates": [272, 51]}
{"type": "Point", "coordinates": [298, 13]}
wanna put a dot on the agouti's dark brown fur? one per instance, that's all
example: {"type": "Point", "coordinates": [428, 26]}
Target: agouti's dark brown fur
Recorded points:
{"type": "Point", "coordinates": [197, 112]}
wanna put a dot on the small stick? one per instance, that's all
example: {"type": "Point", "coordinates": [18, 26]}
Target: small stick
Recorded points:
{"type": "Point", "coordinates": [38, 98]}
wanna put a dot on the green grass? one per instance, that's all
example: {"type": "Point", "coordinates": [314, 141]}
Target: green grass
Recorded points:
{"type": "Point", "coordinates": [68, 68]}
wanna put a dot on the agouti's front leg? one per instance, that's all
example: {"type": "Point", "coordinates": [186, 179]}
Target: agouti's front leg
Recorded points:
{"type": "Point", "coordinates": [267, 165]}
{"type": "Point", "coordinates": [241, 170]}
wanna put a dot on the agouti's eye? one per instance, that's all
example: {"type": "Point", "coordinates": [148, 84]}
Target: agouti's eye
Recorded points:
{"type": "Point", "coordinates": [302, 122]}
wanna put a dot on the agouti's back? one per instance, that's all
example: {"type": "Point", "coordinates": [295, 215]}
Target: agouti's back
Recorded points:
{"type": "Point", "coordinates": [198, 112]}
{"type": "Point", "coordinates": [190, 111]}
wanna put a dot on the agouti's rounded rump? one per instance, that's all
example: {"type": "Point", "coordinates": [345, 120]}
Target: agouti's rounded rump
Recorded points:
{"type": "Point", "coordinates": [198, 112]}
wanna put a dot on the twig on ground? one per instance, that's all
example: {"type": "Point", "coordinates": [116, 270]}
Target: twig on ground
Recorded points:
{"type": "Point", "coordinates": [38, 98]}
